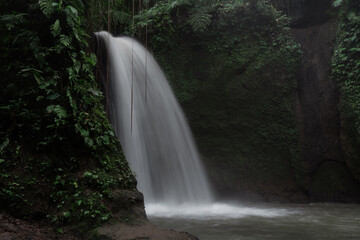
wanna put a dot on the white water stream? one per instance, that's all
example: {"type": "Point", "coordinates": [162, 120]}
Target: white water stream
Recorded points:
{"type": "Point", "coordinates": [152, 128]}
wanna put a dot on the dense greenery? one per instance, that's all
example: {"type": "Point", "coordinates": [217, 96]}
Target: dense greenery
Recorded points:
{"type": "Point", "coordinates": [232, 64]}
{"type": "Point", "coordinates": [218, 25]}
{"type": "Point", "coordinates": [346, 71]}
{"type": "Point", "coordinates": [59, 156]}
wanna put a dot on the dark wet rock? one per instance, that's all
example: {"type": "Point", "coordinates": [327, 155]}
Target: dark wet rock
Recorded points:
{"type": "Point", "coordinates": [127, 206]}
{"type": "Point", "coordinates": [17, 229]}
{"type": "Point", "coordinates": [327, 148]}
{"type": "Point", "coordinates": [6, 236]}
{"type": "Point", "coordinates": [10, 227]}
{"type": "Point", "coordinates": [332, 182]}
{"type": "Point", "coordinates": [129, 220]}
{"type": "Point", "coordinates": [317, 98]}
{"type": "Point", "coordinates": [145, 230]}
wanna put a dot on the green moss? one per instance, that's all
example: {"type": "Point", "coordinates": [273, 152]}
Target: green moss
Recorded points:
{"type": "Point", "coordinates": [346, 71]}
{"type": "Point", "coordinates": [236, 82]}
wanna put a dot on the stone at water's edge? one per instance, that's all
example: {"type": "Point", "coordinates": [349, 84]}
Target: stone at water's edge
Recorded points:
{"type": "Point", "coordinates": [12, 228]}
{"type": "Point", "coordinates": [146, 230]}
{"type": "Point", "coordinates": [132, 223]}
{"type": "Point", "coordinates": [127, 206]}
{"type": "Point", "coordinates": [129, 221]}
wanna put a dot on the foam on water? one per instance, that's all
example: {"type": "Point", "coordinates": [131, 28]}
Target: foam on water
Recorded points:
{"type": "Point", "coordinates": [211, 211]}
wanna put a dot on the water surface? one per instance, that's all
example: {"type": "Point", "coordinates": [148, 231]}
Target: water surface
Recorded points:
{"type": "Point", "coordinates": [258, 222]}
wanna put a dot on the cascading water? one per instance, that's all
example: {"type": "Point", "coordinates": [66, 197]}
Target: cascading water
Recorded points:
{"type": "Point", "coordinates": [151, 126]}
{"type": "Point", "coordinates": [156, 138]}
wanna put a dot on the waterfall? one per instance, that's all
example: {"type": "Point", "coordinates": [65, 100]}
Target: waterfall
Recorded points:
{"type": "Point", "coordinates": [151, 126]}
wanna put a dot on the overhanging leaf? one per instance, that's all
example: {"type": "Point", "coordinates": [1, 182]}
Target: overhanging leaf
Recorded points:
{"type": "Point", "coordinates": [56, 28]}
{"type": "Point", "coordinates": [53, 96]}
{"type": "Point", "coordinates": [4, 144]}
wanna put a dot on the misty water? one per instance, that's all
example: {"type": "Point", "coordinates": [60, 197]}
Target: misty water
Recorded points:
{"type": "Point", "coordinates": [264, 222]}
{"type": "Point", "coordinates": [151, 126]}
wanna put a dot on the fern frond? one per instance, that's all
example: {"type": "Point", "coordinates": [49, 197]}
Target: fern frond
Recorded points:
{"type": "Point", "coordinates": [12, 20]}
{"type": "Point", "coordinates": [58, 110]}
{"type": "Point", "coordinates": [46, 7]}
{"type": "Point", "coordinates": [65, 40]}
{"type": "Point", "coordinates": [120, 17]}
{"type": "Point", "coordinates": [200, 21]}
{"type": "Point", "coordinates": [337, 3]}
{"type": "Point", "coordinates": [56, 28]}
{"type": "Point", "coordinates": [179, 3]}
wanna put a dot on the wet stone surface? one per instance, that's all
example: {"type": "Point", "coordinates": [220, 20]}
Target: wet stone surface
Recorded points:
{"type": "Point", "coordinates": [16, 229]}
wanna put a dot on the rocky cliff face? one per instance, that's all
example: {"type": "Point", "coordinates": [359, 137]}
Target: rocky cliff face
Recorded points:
{"type": "Point", "coordinates": [328, 176]}
{"type": "Point", "coordinates": [269, 127]}
{"type": "Point", "coordinates": [236, 83]}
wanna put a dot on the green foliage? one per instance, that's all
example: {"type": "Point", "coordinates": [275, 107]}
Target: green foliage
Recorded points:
{"type": "Point", "coordinates": [346, 62]}
{"type": "Point", "coordinates": [46, 6]}
{"type": "Point", "coordinates": [337, 3]}
{"type": "Point", "coordinates": [75, 204]}
{"type": "Point", "coordinates": [160, 17]}
{"type": "Point", "coordinates": [52, 123]}
{"type": "Point", "coordinates": [200, 21]}
{"type": "Point", "coordinates": [346, 72]}
{"type": "Point", "coordinates": [119, 12]}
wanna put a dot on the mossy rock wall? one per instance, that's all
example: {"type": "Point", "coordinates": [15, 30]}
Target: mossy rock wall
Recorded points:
{"type": "Point", "coordinates": [236, 83]}
{"type": "Point", "coordinates": [346, 72]}
{"type": "Point", "coordinates": [326, 92]}
{"type": "Point", "coordinates": [265, 110]}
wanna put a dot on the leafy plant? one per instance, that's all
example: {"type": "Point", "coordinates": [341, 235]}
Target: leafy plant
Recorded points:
{"type": "Point", "coordinates": [52, 122]}
{"type": "Point", "coordinates": [337, 3]}
{"type": "Point", "coordinates": [346, 64]}
{"type": "Point", "coordinates": [200, 21]}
